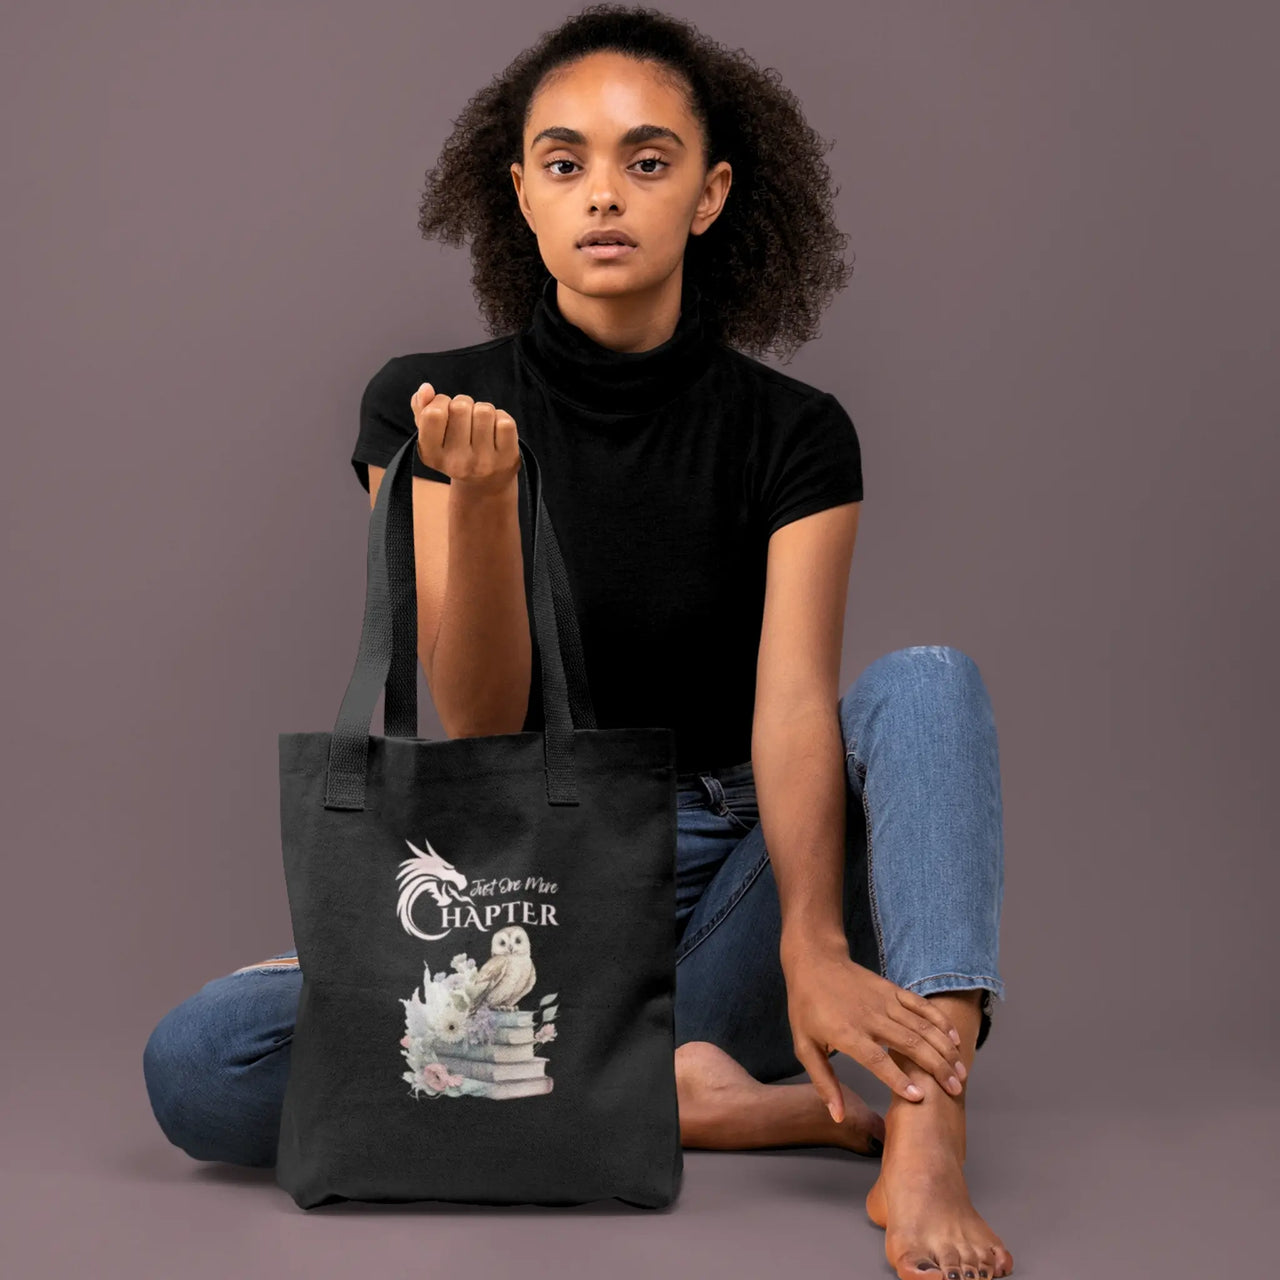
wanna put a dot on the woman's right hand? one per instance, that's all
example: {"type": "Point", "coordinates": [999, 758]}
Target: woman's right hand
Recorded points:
{"type": "Point", "coordinates": [472, 443]}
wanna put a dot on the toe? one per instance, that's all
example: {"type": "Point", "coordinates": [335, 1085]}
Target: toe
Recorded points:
{"type": "Point", "coordinates": [949, 1261]}
{"type": "Point", "coordinates": [985, 1264]}
{"type": "Point", "coordinates": [914, 1264]}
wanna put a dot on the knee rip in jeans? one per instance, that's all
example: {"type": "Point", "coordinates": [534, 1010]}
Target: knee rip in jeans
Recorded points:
{"type": "Point", "coordinates": [942, 652]}
{"type": "Point", "coordinates": [277, 964]}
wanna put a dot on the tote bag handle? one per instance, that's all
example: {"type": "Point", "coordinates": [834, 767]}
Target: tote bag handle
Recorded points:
{"type": "Point", "coordinates": [389, 633]}
{"type": "Point", "coordinates": [400, 706]}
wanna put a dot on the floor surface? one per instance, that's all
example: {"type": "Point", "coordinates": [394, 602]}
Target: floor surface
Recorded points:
{"type": "Point", "coordinates": [1152, 1186]}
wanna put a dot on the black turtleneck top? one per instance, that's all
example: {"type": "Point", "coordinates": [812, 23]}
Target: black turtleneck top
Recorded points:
{"type": "Point", "coordinates": [665, 472]}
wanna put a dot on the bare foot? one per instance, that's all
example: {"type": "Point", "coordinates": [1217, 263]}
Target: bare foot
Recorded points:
{"type": "Point", "coordinates": [932, 1230]}
{"type": "Point", "coordinates": [723, 1106]}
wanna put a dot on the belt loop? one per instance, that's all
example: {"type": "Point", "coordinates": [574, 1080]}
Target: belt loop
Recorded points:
{"type": "Point", "coordinates": [715, 792]}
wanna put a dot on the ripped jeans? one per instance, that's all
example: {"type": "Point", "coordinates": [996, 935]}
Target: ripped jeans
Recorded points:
{"type": "Point", "coordinates": [923, 888]}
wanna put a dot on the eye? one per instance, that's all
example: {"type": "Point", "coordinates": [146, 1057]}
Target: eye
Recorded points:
{"type": "Point", "coordinates": [643, 160]}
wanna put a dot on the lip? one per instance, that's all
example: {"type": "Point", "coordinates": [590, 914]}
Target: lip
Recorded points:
{"type": "Point", "coordinates": [605, 233]}
{"type": "Point", "coordinates": [606, 251]}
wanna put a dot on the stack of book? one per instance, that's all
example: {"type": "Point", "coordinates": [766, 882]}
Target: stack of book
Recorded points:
{"type": "Point", "coordinates": [505, 1067]}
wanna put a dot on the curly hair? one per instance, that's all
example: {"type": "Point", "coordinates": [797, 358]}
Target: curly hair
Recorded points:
{"type": "Point", "coordinates": [768, 265]}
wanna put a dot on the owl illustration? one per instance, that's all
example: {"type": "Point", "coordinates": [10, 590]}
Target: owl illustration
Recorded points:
{"type": "Point", "coordinates": [508, 975]}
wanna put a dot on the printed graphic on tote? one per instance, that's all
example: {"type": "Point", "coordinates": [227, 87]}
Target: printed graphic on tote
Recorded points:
{"type": "Point", "coordinates": [464, 1031]}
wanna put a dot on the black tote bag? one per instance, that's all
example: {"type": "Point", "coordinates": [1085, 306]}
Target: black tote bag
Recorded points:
{"type": "Point", "coordinates": [485, 926]}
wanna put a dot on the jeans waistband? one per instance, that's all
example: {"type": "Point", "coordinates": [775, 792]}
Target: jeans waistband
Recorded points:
{"type": "Point", "coordinates": [727, 775]}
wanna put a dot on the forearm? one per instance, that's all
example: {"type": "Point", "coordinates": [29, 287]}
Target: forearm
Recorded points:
{"type": "Point", "coordinates": [479, 667]}
{"type": "Point", "coordinates": [798, 762]}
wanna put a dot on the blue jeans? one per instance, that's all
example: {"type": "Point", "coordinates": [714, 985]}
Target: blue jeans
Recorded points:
{"type": "Point", "coordinates": [923, 888]}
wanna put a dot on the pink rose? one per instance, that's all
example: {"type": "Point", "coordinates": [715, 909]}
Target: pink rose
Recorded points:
{"type": "Point", "coordinates": [435, 1076]}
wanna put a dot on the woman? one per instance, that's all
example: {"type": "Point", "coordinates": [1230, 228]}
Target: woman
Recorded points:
{"type": "Point", "coordinates": [707, 507]}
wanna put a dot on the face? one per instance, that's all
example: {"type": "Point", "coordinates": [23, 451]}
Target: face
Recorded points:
{"type": "Point", "coordinates": [511, 940]}
{"type": "Point", "coordinates": [611, 146]}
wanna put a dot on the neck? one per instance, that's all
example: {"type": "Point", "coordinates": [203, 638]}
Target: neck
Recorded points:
{"type": "Point", "coordinates": [629, 322]}
{"type": "Point", "coordinates": [627, 366]}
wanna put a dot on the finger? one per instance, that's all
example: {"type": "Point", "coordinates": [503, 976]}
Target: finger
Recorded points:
{"type": "Point", "coordinates": [460, 408]}
{"type": "Point", "coordinates": [877, 1060]}
{"type": "Point", "coordinates": [453, 413]}
{"type": "Point", "coordinates": [928, 1009]}
{"type": "Point", "coordinates": [818, 1065]}
{"type": "Point", "coordinates": [433, 423]}
{"type": "Point", "coordinates": [434, 411]}
{"type": "Point", "coordinates": [422, 396]}
{"type": "Point", "coordinates": [483, 440]}
{"type": "Point", "coordinates": [927, 1031]}
{"type": "Point", "coordinates": [506, 439]}
{"type": "Point", "coordinates": [920, 1051]}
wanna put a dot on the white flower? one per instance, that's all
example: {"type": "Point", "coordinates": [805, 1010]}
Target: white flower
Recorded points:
{"type": "Point", "coordinates": [439, 1014]}
{"type": "Point", "coordinates": [417, 1017]}
{"type": "Point", "coordinates": [450, 1025]}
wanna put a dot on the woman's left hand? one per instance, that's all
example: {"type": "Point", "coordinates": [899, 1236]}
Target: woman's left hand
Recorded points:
{"type": "Point", "coordinates": [835, 1003]}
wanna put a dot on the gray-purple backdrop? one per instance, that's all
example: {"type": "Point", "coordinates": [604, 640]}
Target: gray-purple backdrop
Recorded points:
{"type": "Point", "coordinates": [1060, 350]}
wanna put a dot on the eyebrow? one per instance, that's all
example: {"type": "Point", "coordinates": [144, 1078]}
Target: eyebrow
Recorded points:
{"type": "Point", "coordinates": [633, 137]}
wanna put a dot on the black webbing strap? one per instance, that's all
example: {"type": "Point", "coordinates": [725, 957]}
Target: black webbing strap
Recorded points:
{"type": "Point", "coordinates": [390, 628]}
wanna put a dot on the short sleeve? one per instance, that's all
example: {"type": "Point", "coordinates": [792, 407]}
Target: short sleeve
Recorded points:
{"type": "Point", "coordinates": [386, 421]}
{"type": "Point", "coordinates": [809, 463]}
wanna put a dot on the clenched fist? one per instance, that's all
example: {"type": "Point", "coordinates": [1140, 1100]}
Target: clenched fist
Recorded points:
{"type": "Point", "coordinates": [472, 443]}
